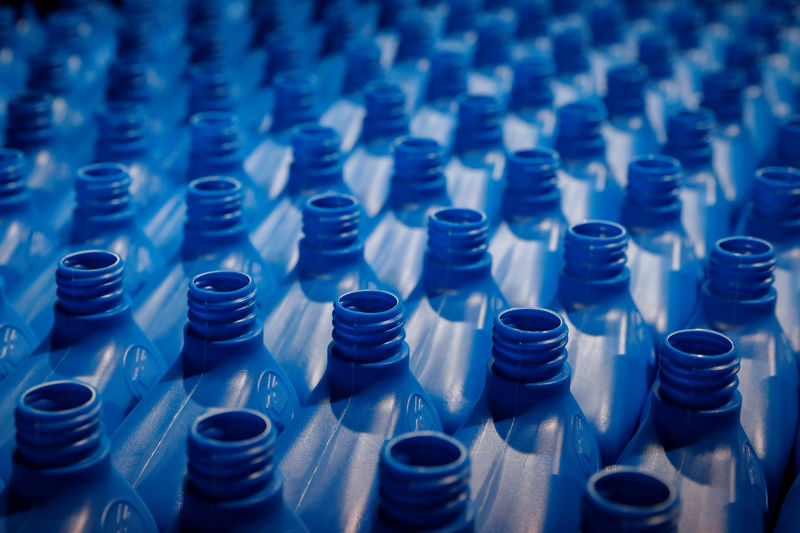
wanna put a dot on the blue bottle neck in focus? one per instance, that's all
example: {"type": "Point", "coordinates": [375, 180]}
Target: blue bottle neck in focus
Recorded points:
{"type": "Point", "coordinates": [531, 184]}
{"type": "Point", "coordinates": [774, 213]}
{"type": "Point", "coordinates": [216, 145]}
{"type": "Point", "coordinates": [317, 162]}
{"type": "Point", "coordinates": [479, 125]}
{"type": "Point", "coordinates": [418, 177]}
{"type": "Point", "coordinates": [458, 250]}
{"type": "Point", "coordinates": [331, 239]}
{"type": "Point", "coordinates": [104, 202]}
{"type": "Point", "coordinates": [214, 217]}
{"type": "Point", "coordinates": [688, 138]}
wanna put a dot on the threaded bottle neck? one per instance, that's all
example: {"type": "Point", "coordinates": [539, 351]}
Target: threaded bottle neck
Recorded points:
{"type": "Point", "coordinates": [462, 15]}
{"type": "Point", "coordinates": [594, 251]}
{"type": "Point", "coordinates": [127, 80]}
{"type": "Point", "coordinates": [340, 26]}
{"type": "Point", "coordinates": [386, 116]}
{"type": "Point", "coordinates": [231, 456]}
{"type": "Point", "coordinates": [285, 52]}
{"type": "Point", "coordinates": [58, 425]}
{"type": "Point", "coordinates": [697, 369]}
{"type": "Point", "coordinates": [295, 100]}
{"type": "Point", "coordinates": [13, 185]}
{"type": "Point", "coordinates": [330, 233]}
{"type": "Point", "coordinates": [652, 194]}
{"type": "Point", "coordinates": [775, 212]}
{"type": "Point", "coordinates": [363, 64]}
{"type": "Point", "coordinates": [368, 326]}
{"type": "Point", "coordinates": [480, 124]}
{"type": "Point", "coordinates": [746, 55]}
{"type": "Point", "coordinates": [415, 36]}
{"type": "Point", "coordinates": [214, 208]}
{"type": "Point", "coordinates": [210, 89]}
{"type": "Point", "coordinates": [621, 498]}
{"type": "Point", "coordinates": [103, 195]}
{"type": "Point", "coordinates": [625, 95]}
{"type": "Point", "coordinates": [570, 51]}
{"type": "Point", "coordinates": [688, 137]}
{"type": "Point", "coordinates": [29, 120]}
{"type": "Point", "coordinates": [605, 22]}
{"type": "Point", "coordinates": [423, 483]}
{"type": "Point", "coordinates": [215, 145]}
{"type": "Point", "coordinates": [495, 36]}
{"type": "Point", "coordinates": [222, 305]}
{"type": "Point", "coordinates": [121, 131]}
{"type": "Point", "coordinates": [766, 24]}
{"type": "Point", "coordinates": [458, 247]}
{"type": "Point", "coordinates": [90, 282]}
{"type": "Point", "coordinates": [532, 176]}
{"type": "Point", "coordinates": [316, 160]}
{"type": "Point", "coordinates": [685, 24]}
{"type": "Point", "coordinates": [723, 93]}
{"type": "Point", "coordinates": [530, 345]}
{"type": "Point", "coordinates": [789, 142]}
{"type": "Point", "coordinates": [532, 18]}
{"type": "Point", "coordinates": [531, 86]}
{"type": "Point", "coordinates": [48, 71]}
{"type": "Point", "coordinates": [655, 52]}
{"type": "Point", "coordinates": [448, 74]}
{"type": "Point", "coordinates": [740, 268]}
{"type": "Point", "coordinates": [418, 170]}
{"type": "Point", "coordinates": [579, 132]}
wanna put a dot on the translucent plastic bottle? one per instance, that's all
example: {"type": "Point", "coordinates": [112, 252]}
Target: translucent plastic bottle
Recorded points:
{"type": "Point", "coordinates": [609, 342]}
{"type": "Point", "coordinates": [606, 21]}
{"type": "Point", "coordinates": [738, 299]}
{"type": "Point", "coordinates": [786, 151]}
{"type": "Point", "coordinates": [450, 313]}
{"type": "Point", "coordinates": [491, 73]}
{"type": "Point", "coordinates": [665, 273]}
{"type": "Point", "coordinates": [663, 93]}
{"type": "Point", "coordinates": [532, 119]}
{"type": "Point", "coordinates": [223, 364]}
{"type": "Point", "coordinates": [93, 338]}
{"type": "Point", "coordinates": [17, 339]}
{"type": "Point", "coordinates": [329, 455]}
{"type": "Point", "coordinates": [62, 478]}
{"type": "Point", "coordinates": [691, 434]}
{"type": "Point", "coordinates": [531, 446]}
{"type": "Point", "coordinates": [246, 495]}
{"type": "Point", "coordinates": [526, 244]}
{"type": "Point", "coordinates": [423, 485]}
{"type": "Point", "coordinates": [574, 80]}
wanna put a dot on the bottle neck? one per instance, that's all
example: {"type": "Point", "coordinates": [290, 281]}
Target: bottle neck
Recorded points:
{"type": "Point", "coordinates": [723, 94]}
{"type": "Point", "coordinates": [385, 118]}
{"type": "Point", "coordinates": [458, 249]}
{"type": "Point", "coordinates": [774, 214]}
{"type": "Point", "coordinates": [214, 217]}
{"type": "Point", "coordinates": [688, 138]}
{"type": "Point", "coordinates": [14, 190]}
{"type": "Point", "coordinates": [606, 23]}
{"type": "Point", "coordinates": [210, 89]}
{"type": "Point", "coordinates": [625, 96]}
{"type": "Point", "coordinates": [363, 65]}
{"type": "Point", "coordinates": [122, 132]}
{"type": "Point", "coordinates": [127, 81]}
{"type": "Point", "coordinates": [652, 196]}
{"type": "Point", "coordinates": [531, 86]}
{"type": "Point", "coordinates": [746, 55]}
{"type": "Point", "coordinates": [448, 75]}
{"type": "Point", "coordinates": [569, 52]}
{"type": "Point", "coordinates": [685, 24]}
{"type": "Point", "coordinates": [29, 121]}
{"type": "Point", "coordinates": [295, 100]}
{"type": "Point", "coordinates": [532, 18]}
{"type": "Point", "coordinates": [579, 135]}
{"type": "Point", "coordinates": [531, 184]}
{"type": "Point", "coordinates": [104, 202]}
{"type": "Point", "coordinates": [331, 238]}
{"type": "Point", "coordinates": [655, 53]}
{"type": "Point", "coordinates": [788, 147]}
{"type": "Point", "coordinates": [418, 173]}
{"type": "Point", "coordinates": [493, 48]}
{"type": "Point", "coordinates": [216, 145]}
{"type": "Point", "coordinates": [285, 53]}
{"type": "Point", "coordinates": [479, 125]}
{"type": "Point", "coordinates": [48, 72]}
{"type": "Point", "coordinates": [415, 36]}
{"type": "Point", "coordinates": [316, 161]}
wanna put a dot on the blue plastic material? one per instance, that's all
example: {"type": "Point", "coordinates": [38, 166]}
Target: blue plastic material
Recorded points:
{"type": "Point", "coordinates": [223, 363]}
{"type": "Point", "coordinates": [574, 80]}
{"type": "Point", "coordinates": [787, 146]}
{"type": "Point", "coordinates": [665, 273]}
{"type": "Point", "coordinates": [62, 478]}
{"type": "Point", "coordinates": [395, 248]}
{"type": "Point", "coordinates": [451, 312]}
{"type": "Point", "coordinates": [366, 396]}
{"type": "Point", "coordinates": [232, 484]}
{"type": "Point", "coordinates": [662, 92]}
{"type": "Point", "coordinates": [706, 212]}
{"type": "Point", "coordinates": [691, 435]}
{"type": "Point", "coordinates": [526, 245]}
{"type": "Point", "coordinates": [738, 299]}
{"type": "Point", "coordinates": [446, 81]}
{"type": "Point", "coordinates": [532, 119]}
{"type": "Point", "coordinates": [423, 485]}
{"type": "Point", "coordinates": [588, 185]}
{"type": "Point", "coordinates": [17, 339]}
{"type": "Point", "coordinates": [609, 343]}
{"type": "Point", "coordinates": [531, 446]}
{"type": "Point", "coordinates": [789, 520]}
{"type": "Point", "coordinates": [623, 499]}
{"type": "Point", "coordinates": [93, 338]}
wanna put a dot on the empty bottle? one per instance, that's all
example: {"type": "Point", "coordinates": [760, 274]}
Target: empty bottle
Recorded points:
{"type": "Point", "coordinates": [609, 342]}
{"type": "Point", "coordinates": [491, 73]}
{"type": "Point", "coordinates": [531, 445]}
{"type": "Point", "coordinates": [532, 119]}
{"type": "Point", "coordinates": [223, 363]}
{"type": "Point", "coordinates": [454, 301]}
{"type": "Point", "coordinates": [62, 478]}
{"type": "Point", "coordinates": [662, 93]}
{"type": "Point", "coordinates": [329, 455]}
{"type": "Point", "coordinates": [17, 339]}
{"type": "Point", "coordinates": [526, 245]}
{"type": "Point", "coordinates": [786, 151]}
{"type": "Point", "coordinates": [423, 485]}
{"type": "Point", "coordinates": [691, 434]}
{"type": "Point", "coordinates": [574, 80]}
{"type": "Point", "coordinates": [93, 338]}
{"type": "Point", "coordinates": [665, 273]}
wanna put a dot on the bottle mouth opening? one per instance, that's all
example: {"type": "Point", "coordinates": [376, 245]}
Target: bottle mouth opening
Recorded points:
{"type": "Point", "coordinates": [239, 426]}
{"type": "Point", "coordinates": [598, 230]}
{"type": "Point", "coordinates": [294, 79]}
{"type": "Point", "coordinates": [93, 260]}
{"type": "Point", "coordinates": [782, 176]}
{"type": "Point", "coordinates": [479, 103]}
{"type": "Point", "coordinates": [426, 452]}
{"type": "Point", "coordinates": [214, 120]}
{"type": "Point", "coordinates": [222, 281]}
{"type": "Point", "coordinates": [750, 246]}
{"type": "Point", "coordinates": [59, 397]}
{"type": "Point", "coordinates": [420, 145]}
{"type": "Point", "coordinates": [631, 490]}
{"type": "Point", "coordinates": [331, 202]}
{"type": "Point", "coordinates": [537, 156]}
{"type": "Point", "coordinates": [699, 119]}
{"type": "Point", "coordinates": [315, 133]}
{"type": "Point", "coordinates": [459, 216]}
{"type": "Point", "coordinates": [530, 320]}
{"type": "Point", "coordinates": [213, 184]}
{"type": "Point", "coordinates": [656, 163]}
{"type": "Point", "coordinates": [10, 157]}
{"type": "Point", "coordinates": [368, 302]}
{"type": "Point", "coordinates": [701, 342]}
{"type": "Point", "coordinates": [102, 170]}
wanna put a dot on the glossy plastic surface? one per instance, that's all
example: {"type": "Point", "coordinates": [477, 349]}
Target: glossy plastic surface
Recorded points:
{"type": "Point", "coordinates": [17, 339]}
{"type": "Point", "coordinates": [790, 517]}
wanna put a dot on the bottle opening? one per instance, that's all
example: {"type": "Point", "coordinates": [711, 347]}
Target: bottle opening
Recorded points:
{"type": "Point", "coordinates": [631, 489]}
{"type": "Point", "coordinates": [599, 230]}
{"type": "Point", "coordinates": [215, 183]}
{"type": "Point", "coordinates": [235, 426]}
{"type": "Point", "coordinates": [92, 260]}
{"type": "Point", "coordinates": [530, 320]}
{"type": "Point", "coordinates": [60, 397]}
{"type": "Point", "coordinates": [428, 451]}
{"type": "Point", "coordinates": [103, 170]}
{"type": "Point", "coordinates": [332, 201]}
{"type": "Point", "coordinates": [369, 301]}
{"type": "Point", "coordinates": [222, 281]}
{"type": "Point", "coordinates": [744, 246]}
{"type": "Point", "coordinates": [700, 342]}
{"type": "Point", "coordinates": [458, 216]}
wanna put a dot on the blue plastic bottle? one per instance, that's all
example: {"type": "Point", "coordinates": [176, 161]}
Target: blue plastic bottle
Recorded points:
{"type": "Point", "coordinates": [93, 338]}
{"type": "Point", "coordinates": [368, 169]}
{"type": "Point", "coordinates": [526, 245]}
{"type": "Point", "coordinates": [214, 237]}
{"type": "Point", "coordinates": [588, 186]}
{"type": "Point", "coordinates": [691, 435]}
{"type": "Point", "coordinates": [17, 339]}
{"type": "Point", "coordinates": [223, 363]}
{"type": "Point", "coordinates": [395, 248]}
{"type": "Point", "coordinates": [316, 168]}
{"type": "Point", "coordinates": [738, 299]}
{"type": "Point", "coordinates": [735, 157]}
{"type": "Point", "coordinates": [706, 212]}
{"type": "Point", "coordinates": [574, 80]}
{"type": "Point", "coordinates": [609, 342]}
{"type": "Point", "coordinates": [665, 273]}
{"type": "Point", "coordinates": [628, 131]}
{"type": "Point", "coordinates": [330, 263]}
{"type": "Point", "coordinates": [692, 60]}
{"type": "Point", "coordinates": [423, 485]}
{"type": "Point", "coordinates": [329, 455]}
{"type": "Point", "coordinates": [662, 93]}
{"type": "Point", "coordinates": [415, 35]}
{"type": "Point", "coordinates": [27, 239]}
{"type": "Point", "coordinates": [62, 478]}
{"type": "Point", "coordinates": [491, 73]}
{"type": "Point", "coordinates": [246, 494]}
{"type": "Point", "coordinates": [623, 499]}
{"type": "Point", "coordinates": [774, 215]}
{"type": "Point", "coordinates": [531, 446]}
{"type": "Point", "coordinates": [789, 520]}
{"type": "Point", "coordinates": [475, 173]}
{"type": "Point", "coordinates": [532, 119]}
{"type": "Point", "coordinates": [451, 311]}
{"type": "Point", "coordinates": [786, 151]}
{"type": "Point", "coordinates": [606, 23]}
